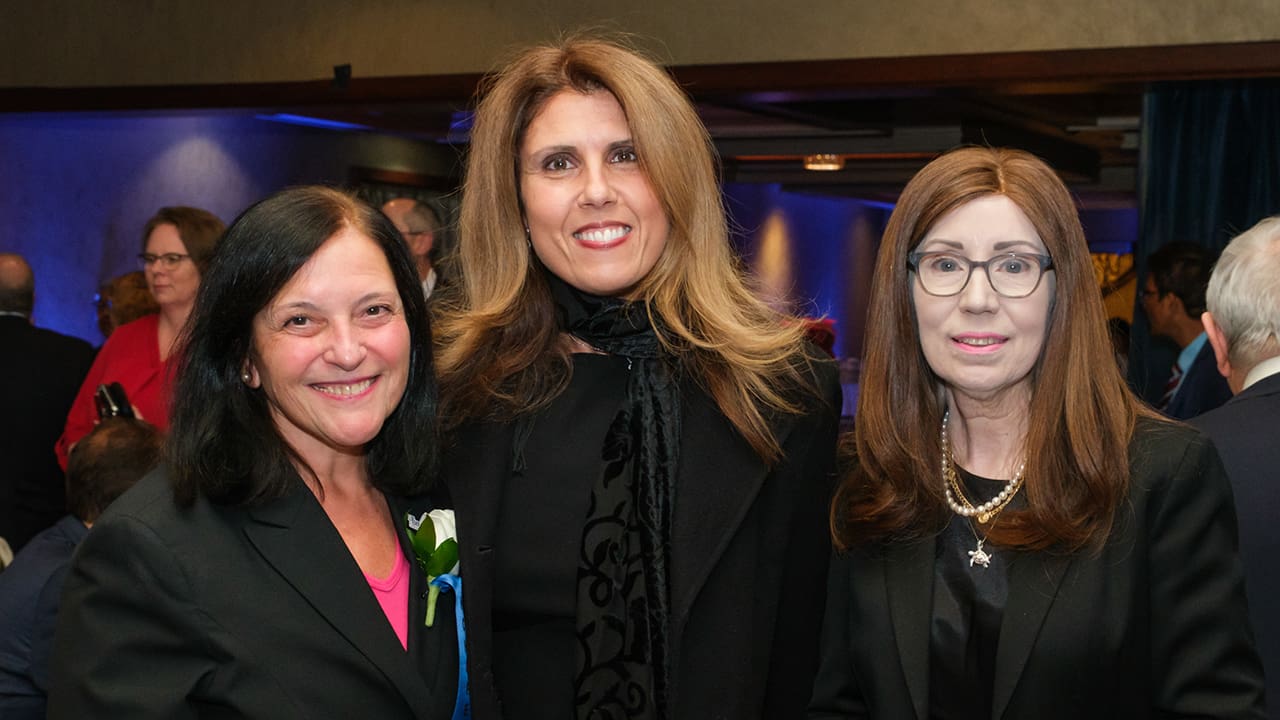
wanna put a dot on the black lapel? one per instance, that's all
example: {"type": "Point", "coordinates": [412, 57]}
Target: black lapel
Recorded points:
{"type": "Point", "coordinates": [909, 583]}
{"type": "Point", "coordinates": [1033, 584]}
{"type": "Point", "coordinates": [434, 659]}
{"type": "Point", "coordinates": [295, 537]}
{"type": "Point", "coordinates": [478, 464]}
{"type": "Point", "coordinates": [718, 479]}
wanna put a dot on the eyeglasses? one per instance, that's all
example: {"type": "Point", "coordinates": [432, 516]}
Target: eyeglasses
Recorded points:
{"type": "Point", "coordinates": [1013, 275]}
{"type": "Point", "coordinates": [168, 261]}
{"type": "Point", "coordinates": [407, 233]}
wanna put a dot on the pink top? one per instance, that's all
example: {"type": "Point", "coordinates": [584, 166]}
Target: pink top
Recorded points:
{"type": "Point", "coordinates": [131, 357]}
{"type": "Point", "coordinates": [393, 596]}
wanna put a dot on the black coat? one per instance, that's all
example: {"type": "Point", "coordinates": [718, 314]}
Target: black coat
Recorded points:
{"type": "Point", "coordinates": [40, 373]}
{"type": "Point", "coordinates": [749, 550]}
{"type": "Point", "coordinates": [230, 612]}
{"type": "Point", "coordinates": [1152, 626]}
{"type": "Point", "coordinates": [1246, 432]}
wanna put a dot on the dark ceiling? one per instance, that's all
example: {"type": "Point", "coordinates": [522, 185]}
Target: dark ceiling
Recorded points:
{"type": "Point", "coordinates": [1081, 110]}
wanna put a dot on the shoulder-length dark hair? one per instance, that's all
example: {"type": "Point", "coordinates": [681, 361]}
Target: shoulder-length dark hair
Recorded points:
{"type": "Point", "coordinates": [222, 441]}
{"type": "Point", "coordinates": [499, 349]}
{"type": "Point", "coordinates": [1080, 421]}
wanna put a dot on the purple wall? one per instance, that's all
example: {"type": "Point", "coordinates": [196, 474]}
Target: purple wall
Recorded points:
{"type": "Point", "coordinates": [76, 190]}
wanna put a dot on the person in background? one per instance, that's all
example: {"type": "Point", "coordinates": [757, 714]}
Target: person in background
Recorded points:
{"type": "Point", "coordinates": [418, 223]}
{"type": "Point", "coordinates": [177, 243]}
{"type": "Point", "coordinates": [123, 299]}
{"type": "Point", "coordinates": [40, 371]}
{"type": "Point", "coordinates": [1243, 325]}
{"type": "Point", "coordinates": [105, 463]}
{"type": "Point", "coordinates": [1173, 301]}
{"type": "Point", "coordinates": [266, 569]}
{"type": "Point", "coordinates": [641, 451]}
{"type": "Point", "coordinates": [1020, 536]}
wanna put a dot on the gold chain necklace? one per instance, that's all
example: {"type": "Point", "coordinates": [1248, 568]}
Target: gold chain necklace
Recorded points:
{"type": "Point", "coordinates": [960, 505]}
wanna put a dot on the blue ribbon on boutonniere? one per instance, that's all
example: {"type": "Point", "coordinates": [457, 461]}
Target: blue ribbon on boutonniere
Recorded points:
{"type": "Point", "coordinates": [435, 543]}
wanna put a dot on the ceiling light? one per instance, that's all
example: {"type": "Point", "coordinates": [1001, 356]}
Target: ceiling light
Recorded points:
{"type": "Point", "coordinates": [823, 161]}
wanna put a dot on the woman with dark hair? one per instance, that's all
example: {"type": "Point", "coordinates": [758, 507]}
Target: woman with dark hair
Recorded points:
{"type": "Point", "coordinates": [1020, 536]}
{"type": "Point", "coordinates": [177, 244]}
{"type": "Point", "coordinates": [266, 570]}
{"type": "Point", "coordinates": [642, 451]}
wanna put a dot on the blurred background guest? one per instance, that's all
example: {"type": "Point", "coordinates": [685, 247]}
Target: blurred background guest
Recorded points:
{"type": "Point", "coordinates": [1021, 536]}
{"type": "Point", "coordinates": [105, 463]}
{"type": "Point", "coordinates": [1243, 324]}
{"type": "Point", "coordinates": [302, 434]}
{"type": "Point", "coordinates": [177, 243]}
{"type": "Point", "coordinates": [40, 371]}
{"type": "Point", "coordinates": [123, 299]}
{"type": "Point", "coordinates": [642, 450]}
{"type": "Point", "coordinates": [418, 223]}
{"type": "Point", "coordinates": [1173, 301]}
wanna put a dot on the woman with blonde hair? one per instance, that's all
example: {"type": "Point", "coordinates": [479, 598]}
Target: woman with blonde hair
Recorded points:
{"type": "Point", "coordinates": [641, 451]}
{"type": "Point", "coordinates": [1021, 536]}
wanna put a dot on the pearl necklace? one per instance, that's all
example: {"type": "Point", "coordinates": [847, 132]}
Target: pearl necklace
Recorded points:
{"type": "Point", "coordinates": [956, 500]}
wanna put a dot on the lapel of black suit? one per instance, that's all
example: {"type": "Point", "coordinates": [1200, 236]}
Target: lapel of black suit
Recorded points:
{"type": "Point", "coordinates": [430, 657]}
{"type": "Point", "coordinates": [477, 467]}
{"type": "Point", "coordinates": [909, 584]}
{"type": "Point", "coordinates": [718, 479]}
{"type": "Point", "coordinates": [296, 538]}
{"type": "Point", "coordinates": [1034, 578]}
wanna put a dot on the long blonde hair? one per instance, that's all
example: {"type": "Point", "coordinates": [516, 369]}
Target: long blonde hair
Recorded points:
{"type": "Point", "coordinates": [499, 351]}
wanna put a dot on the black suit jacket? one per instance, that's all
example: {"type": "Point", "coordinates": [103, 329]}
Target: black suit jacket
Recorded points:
{"type": "Point", "coordinates": [40, 373]}
{"type": "Point", "coordinates": [1203, 388]}
{"type": "Point", "coordinates": [1246, 432]}
{"type": "Point", "coordinates": [748, 555]}
{"type": "Point", "coordinates": [228, 612]}
{"type": "Point", "coordinates": [1152, 626]}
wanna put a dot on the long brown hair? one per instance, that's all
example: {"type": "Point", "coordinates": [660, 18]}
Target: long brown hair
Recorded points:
{"type": "Point", "coordinates": [1080, 421]}
{"type": "Point", "coordinates": [499, 351]}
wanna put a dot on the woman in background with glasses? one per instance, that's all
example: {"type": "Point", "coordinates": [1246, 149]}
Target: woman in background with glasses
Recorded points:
{"type": "Point", "coordinates": [1021, 536]}
{"type": "Point", "coordinates": [176, 246]}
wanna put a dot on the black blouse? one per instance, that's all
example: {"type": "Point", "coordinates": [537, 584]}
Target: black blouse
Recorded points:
{"type": "Point", "coordinates": [968, 607]}
{"type": "Point", "coordinates": [536, 566]}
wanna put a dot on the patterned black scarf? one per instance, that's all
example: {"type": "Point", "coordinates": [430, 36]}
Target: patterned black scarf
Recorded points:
{"type": "Point", "coordinates": [623, 660]}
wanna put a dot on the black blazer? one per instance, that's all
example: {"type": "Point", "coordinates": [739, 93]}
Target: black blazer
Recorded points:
{"type": "Point", "coordinates": [1203, 388]}
{"type": "Point", "coordinates": [748, 558]}
{"type": "Point", "coordinates": [1246, 432]}
{"type": "Point", "coordinates": [228, 612]}
{"type": "Point", "coordinates": [40, 374]}
{"type": "Point", "coordinates": [1152, 626]}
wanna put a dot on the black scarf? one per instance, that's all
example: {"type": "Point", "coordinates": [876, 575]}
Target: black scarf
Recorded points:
{"type": "Point", "coordinates": [623, 662]}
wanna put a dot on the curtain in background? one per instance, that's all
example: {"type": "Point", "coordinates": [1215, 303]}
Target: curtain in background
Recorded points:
{"type": "Point", "coordinates": [1209, 169]}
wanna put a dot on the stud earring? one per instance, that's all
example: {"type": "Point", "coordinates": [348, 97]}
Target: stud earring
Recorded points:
{"type": "Point", "coordinates": [245, 376]}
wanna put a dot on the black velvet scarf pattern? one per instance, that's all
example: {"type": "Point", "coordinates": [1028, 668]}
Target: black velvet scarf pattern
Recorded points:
{"type": "Point", "coordinates": [623, 659]}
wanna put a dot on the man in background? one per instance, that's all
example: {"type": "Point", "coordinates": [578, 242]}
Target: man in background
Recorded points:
{"type": "Point", "coordinates": [1173, 301]}
{"type": "Point", "coordinates": [40, 373]}
{"type": "Point", "coordinates": [105, 463]}
{"type": "Point", "coordinates": [1243, 324]}
{"type": "Point", "coordinates": [418, 223]}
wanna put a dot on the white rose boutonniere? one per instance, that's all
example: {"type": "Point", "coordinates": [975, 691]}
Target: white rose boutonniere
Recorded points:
{"type": "Point", "coordinates": [434, 536]}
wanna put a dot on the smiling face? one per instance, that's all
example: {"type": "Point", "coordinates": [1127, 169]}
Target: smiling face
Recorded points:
{"type": "Point", "coordinates": [981, 344]}
{"type": "Point", "coordinates": [172, 287]}
{"type": "Point", "coordinates": [331, 350]}
{"type": "Point", "coordinates": [593, 217]}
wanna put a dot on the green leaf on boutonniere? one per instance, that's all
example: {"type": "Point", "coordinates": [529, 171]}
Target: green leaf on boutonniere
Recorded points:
{"type": "Point", "coordinates": [443, 559]}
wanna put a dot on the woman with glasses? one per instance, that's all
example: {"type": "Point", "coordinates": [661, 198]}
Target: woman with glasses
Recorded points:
{"type": "Point", "coordinates": [1020, 536]}
{"type": "Point", "coordinates": [176, 246]}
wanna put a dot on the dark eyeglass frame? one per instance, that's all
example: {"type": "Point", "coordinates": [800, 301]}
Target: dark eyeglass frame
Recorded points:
{"type": "Point", "coordinates": [169, 260]}
{"type": "Point", "coordinates": [1044, 261]}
